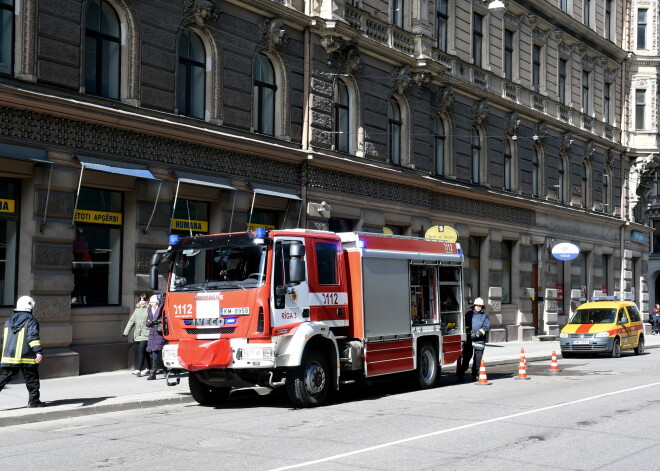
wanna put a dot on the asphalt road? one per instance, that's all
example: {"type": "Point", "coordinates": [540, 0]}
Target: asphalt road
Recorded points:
{"type": "Point", "coordinates": [595, 414]}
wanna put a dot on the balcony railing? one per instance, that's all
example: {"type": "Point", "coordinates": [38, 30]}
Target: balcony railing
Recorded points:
{"type": "Point", "coordinates": [587, 123]}
{"type": "Point", "coordinates": [479, 77]}
{"type": "Point", "coordinates": [511, 91]}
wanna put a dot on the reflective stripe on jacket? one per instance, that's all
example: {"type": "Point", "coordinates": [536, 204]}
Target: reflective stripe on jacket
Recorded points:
{"type": "Point", "coordinates": [20, 340]}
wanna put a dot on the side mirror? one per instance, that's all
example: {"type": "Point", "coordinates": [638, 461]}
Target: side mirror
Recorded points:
{"type": "Point", "coordinates": [280, 290]}
{"type": "Point", "coordinates": [297, 250]}
{"type": "Point", "coordinates": [296, 270]}
{"type": "Point", "coordinates": [153, 272]}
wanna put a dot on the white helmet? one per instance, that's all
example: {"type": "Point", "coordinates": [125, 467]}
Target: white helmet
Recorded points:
{"type": "Point", "coordinates": [24, 303]}
{"type": "Point", "coordinates": [479, 302]}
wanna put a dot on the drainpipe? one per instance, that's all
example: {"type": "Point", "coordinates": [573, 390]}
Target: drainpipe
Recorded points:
{"type": "Point", "coordinates": [307, 77]}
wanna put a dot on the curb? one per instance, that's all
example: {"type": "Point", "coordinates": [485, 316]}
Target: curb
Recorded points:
{"type": "Point", "coordinates": [44, 415]}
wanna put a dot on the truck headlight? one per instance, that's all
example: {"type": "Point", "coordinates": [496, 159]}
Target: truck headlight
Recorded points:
{"type": "Point", "coordinates": [563, 335]}
{"type": "Point", "coordinates": [602, 334]}
{"type": "Point", "coordinates": [255, 353]}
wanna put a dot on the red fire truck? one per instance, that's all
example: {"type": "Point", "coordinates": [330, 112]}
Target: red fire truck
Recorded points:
{"type": "Point", "coordinates": [308, 310]}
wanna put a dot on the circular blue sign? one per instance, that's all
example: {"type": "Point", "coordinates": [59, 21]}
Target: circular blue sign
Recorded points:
{"type": "Point", "coordinates": [565, 251]}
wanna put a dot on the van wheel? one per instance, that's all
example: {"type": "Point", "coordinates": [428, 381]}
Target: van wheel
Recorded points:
{"type": "Point", "coordinates": [308, 384]}
{"type": "Point", "coordinates": [427, 366]}
{"type": "Point", "coordinates": [204, 394]}
{"type": "Point", "coordinates": [639, 350]}
{"type": "Point", "coordinates": [616, 349]}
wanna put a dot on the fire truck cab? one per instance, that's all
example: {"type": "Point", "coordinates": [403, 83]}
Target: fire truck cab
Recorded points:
{"type": "Point", "coordinates": [309, 310]}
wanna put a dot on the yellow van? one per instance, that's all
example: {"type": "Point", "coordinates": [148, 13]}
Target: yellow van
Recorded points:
{"type": "Point", "coordinates": [603, 326]}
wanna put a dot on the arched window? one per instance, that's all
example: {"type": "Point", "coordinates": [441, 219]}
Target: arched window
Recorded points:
{"type": "Point", "coordinates": [191, 78]}
{"type": "Point", "coordinates": [475, 140]}
{"type": "Point", "coordinates": [536, 171]}
{"type": "Point", "coordinates": [395, 125]}
{"type": "Point", "coordinates": [265, 88]}
{"type": "Point", "coordinates": [508, 166]}
{"type": "Point", "coordinates": [6, 36]}
{"type": "Point", "coordinates": [342, 117]}
{"type": "Point", "coordinates": [439, 143]}
{"type": "Point", "coordinates": [102, 50]}
{"type": "Point", "coordinates": [561, 180]}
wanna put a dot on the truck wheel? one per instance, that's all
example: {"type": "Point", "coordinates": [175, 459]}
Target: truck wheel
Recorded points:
{"type": "Point", "coordinates": [616, 349]}
{"type": "Point", "coordinates": [427, 366]}
{"type": "Point", "coordinates": [204, 394]}
{"type": "Point", "coordinates": [307, 385]}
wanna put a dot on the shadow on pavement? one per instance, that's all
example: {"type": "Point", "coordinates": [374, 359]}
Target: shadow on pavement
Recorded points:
{"type": "Point", "coordinates": [84, 401]}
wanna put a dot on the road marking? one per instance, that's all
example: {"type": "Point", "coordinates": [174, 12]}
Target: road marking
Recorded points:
{"type": "Point", "coordinates": [461, 427]}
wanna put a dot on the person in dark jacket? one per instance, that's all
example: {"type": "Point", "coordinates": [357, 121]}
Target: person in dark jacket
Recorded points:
{"type": "Point", "coordinates": [655, 319]}
{"type": "Point", "coordinates": [477, 325]}
{"type": "Point", "coordinates": [21, 349]}
{"type": "Point", "coordinates": [156, 340]}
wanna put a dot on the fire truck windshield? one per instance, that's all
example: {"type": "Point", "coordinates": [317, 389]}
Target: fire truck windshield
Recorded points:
{"type": "Point", "coordinates": [221, 268]}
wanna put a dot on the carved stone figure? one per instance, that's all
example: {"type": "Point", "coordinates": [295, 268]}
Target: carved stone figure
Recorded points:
{"type": "Point", "coordinates": [203, 11]}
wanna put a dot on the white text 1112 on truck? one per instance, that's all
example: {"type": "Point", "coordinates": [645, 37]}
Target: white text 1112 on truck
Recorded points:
{"type": "Point", "coordinates": [308, 310]}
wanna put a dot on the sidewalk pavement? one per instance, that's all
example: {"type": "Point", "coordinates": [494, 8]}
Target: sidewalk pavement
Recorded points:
{"type": "Point", "coordinates": [99, 393]}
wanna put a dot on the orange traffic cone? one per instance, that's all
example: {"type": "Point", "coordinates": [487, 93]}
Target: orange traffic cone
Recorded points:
{"type": "Point", "coordinates": [522, 367]}
{"type": "Point", "coordinates": [554, 367]}
{"type": "Point", "coordinates": [483, 379]}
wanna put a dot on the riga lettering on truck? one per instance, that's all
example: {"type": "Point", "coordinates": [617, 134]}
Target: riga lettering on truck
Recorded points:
{"type": "Point", "coordinates": [309, 310]}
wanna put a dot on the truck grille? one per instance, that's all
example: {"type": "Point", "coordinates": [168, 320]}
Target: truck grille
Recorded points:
{"type": "Point", "coordinates": [211, 330]}
{"type": "Point", "coordinates": [581, 336]}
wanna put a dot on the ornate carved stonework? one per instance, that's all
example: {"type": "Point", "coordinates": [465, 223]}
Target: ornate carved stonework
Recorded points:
{"type": "Point", "coordinates": [541, 131]}
{"type": "Point", "coordinates": [481, 113]}
{"type": "Point", "coordinates": [77, 136]}
{"type": "Point", "coordinates": [202, 11]}
{"type": "Point", "coordinates": [53, 308]}
{"type": "Point", "coordinates": [589, 150]}
{"type": "Point", "coordinates": [484, 209]}
{"type": "Point", "coordinates": [402, 79]}
{"type": "Point", "coordinates": [343, 54]}
{"type": "Point", "coordinates": [443, 101]}
{"type": "Point", "coordinates": [609, 158]}
{"type": "Point", "coordinates": [274, 35]}
{"type": "Point", "coordinates": [422, 78]}
{"type": "Point", "coordinates": [565, 142]}
{"type": "Point", "coordinates": [512, 123]}
{"type": "Point", "coordinates": [52, 256]}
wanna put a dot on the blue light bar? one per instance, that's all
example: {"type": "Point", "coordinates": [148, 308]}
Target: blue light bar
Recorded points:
{"type": "Point", "coordinates": [260, 232]}
{"type": "Point", "coordinates": [173, 239]}
{"type": "Point", "coordinates": [230, 320]}
{"type": "Point", "coordinates": [460, 251]}
{"type": "Point", "coordinates": [187, 322]}
{"type": "Point", "coordinates": [360, 244]}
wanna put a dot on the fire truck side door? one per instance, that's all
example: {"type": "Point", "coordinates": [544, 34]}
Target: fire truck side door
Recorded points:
{"type": "Point", "coordinates": [290, 301]}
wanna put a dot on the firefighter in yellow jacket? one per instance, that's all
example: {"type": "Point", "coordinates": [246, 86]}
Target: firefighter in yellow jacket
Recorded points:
{"type": "Point", "coordinates": [21, 349]}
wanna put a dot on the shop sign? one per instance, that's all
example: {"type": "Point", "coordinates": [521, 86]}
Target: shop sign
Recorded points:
{"type": "Point", "coordinates": [98, 217]}
{"type": "Point", "coordinates": [190, 224]}
{"type": "Point", "coordinates": [565, 251]}
{"type": "Point", "coordinates": [442, 233]}
{"type": "Point", "coordinates": [7, 206]}
{"type": "Point", "coordinates": [637, 236]}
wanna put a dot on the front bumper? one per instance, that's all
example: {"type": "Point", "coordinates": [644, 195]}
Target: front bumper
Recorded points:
{"type": "Point", "coordinates": [587, 345]}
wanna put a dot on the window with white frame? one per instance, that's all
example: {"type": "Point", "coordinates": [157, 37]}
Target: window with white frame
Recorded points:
{"type": "Point", "coordinates": [561, 178]}
{"type": "Point", "coordinates": [440, 145]}
{"type": "Point", "coordinates": [342, 118]}
{"type": "Point", "coordinates": [608, 26]}
{"type": "Point", "coordinates": [6, 36]}
{"type": "Point", "coordinates": [191, 79]}
{"type": "Point", "coordinates": [563, 4]}
{"type": "Point", "coordinates": [442, 23]}
{"type": "Point", "coordinates": [102, 50]}
{"type": "Point", "coordinates": [607, 102]}
{"type": "Point", "coordinates": [395, 121]}
{"type": "Point", "coordinates": [265, 88]}
{"type": "Point", "coordinates": [536, 171]}
{"type": "Point", "coordinates": [509, 53]}
{"type": "Point", "coordinates": [640, 109]}
{"type": "Point", "coordinates": [476, 149]}
{"type": "Point", "coordinates": [508, 165]}
{"type": "Point", "coordinates": [537, 65]}
{"type": "Point", "coordinates": [477, 39]}
{"type": "Point", "coordinates": [562, 71]}
{"type": "Point", "coordinates": [586, 101]}
{"type": "Point", "coordinates": [642, 22]}
{"type": "Point", "coordinates": [587, 6]}
{"type": "Point", "coordinates": [397, 12]}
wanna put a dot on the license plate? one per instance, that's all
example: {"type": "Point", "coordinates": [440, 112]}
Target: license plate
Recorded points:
{"type": "Point", "coordinates": [580, 342]}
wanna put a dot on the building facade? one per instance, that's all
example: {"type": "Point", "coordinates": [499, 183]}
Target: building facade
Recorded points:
{"type": "Point", "coordinates": [123, 121]}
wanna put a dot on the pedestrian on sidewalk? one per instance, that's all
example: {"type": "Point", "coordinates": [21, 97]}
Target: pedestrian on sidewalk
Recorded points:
{"type": "Point", "coordinates": [21, 349]}
{"type": "Point", "coordinates": [156, 340]}
{"type": "Point", "coordinates": [477, 325]}
{"type": "Point", "coordinates": [655, 320]}
{"type": "Point", "coordinates": [141, 335]}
